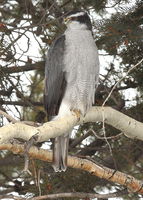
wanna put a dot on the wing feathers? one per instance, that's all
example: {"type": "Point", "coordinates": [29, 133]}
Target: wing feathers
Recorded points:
{"type": "Point", "coordinates": [55, 82]}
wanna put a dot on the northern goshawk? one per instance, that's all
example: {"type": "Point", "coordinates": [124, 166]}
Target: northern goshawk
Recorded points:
{"type": "Point", "coordinates": [71, 76]}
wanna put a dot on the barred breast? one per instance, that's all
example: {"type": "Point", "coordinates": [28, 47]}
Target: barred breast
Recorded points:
{"type": "Point", "coordinates": [81, 66]}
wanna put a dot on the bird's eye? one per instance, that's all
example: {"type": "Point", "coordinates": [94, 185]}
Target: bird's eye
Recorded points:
{"type": "Point", "coordinates": [67, 19]}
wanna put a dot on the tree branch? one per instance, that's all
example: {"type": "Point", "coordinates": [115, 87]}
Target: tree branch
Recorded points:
{"type": "Point", "coordinates": [130, 127]}
{"type": "Point", "coordinates": [21, 103]}
{"type": "Point", "coordinates": [10, 118]}
{"type": "Point", "coordinates": [80, 195]}
{"type": "Point", "coordinates": [130, 182]}
{"type": "Point", "coordinates": [27, 67]}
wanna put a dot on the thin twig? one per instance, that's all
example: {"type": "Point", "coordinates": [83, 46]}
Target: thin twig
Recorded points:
{"type": "Point", "coordinates": [131, 69]}
{"type": "Point", "coordinates": [103, 138]}
{"type": "Point", "coordinates": [103, 114]}
{"type": "Point", "coordinates": [9, 117]}
{"type": "Point", "coordinates": [38, 182]}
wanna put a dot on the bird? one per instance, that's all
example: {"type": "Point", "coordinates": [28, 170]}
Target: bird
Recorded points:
{"type": "Point", "coordinates": [71, 77]}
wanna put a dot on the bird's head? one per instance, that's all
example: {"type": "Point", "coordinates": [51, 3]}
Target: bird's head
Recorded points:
{"type": "Point", "coordinates": [77, 20]}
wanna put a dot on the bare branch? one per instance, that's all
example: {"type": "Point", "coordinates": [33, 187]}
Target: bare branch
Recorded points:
{"type": "Point", "coordinates": [131, 69]}
{"type": "Point", "coordinates": [103, 138]}
{"type": "Point", "coordinates": [133, 184]}
{"type": "Point", "coordinates": [21, 103]}
{"type": "Point", "coordinates": [10, 118]}
{"type": "Point", "coordinates": [80, 195]}
{"type": "Point", "coordinates": [80, 139]}
{"type": "Point", "coordinates": [129, 126]}
{"type": "Point", "coordinates": [27, 67]}
{"type": "Point", "coordinates": [70, 195]}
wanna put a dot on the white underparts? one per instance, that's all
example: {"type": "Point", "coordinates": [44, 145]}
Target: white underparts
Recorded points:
{"type": "Point", "coordinates": [64, 109]}
{"type": "Point", "coordinates": [81, 66]}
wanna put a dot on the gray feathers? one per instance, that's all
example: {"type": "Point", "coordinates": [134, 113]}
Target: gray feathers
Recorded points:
{"type": "Point", "coordinates": [61, 144]}
{"type": "Point", "coordinates": [71, 77]}
{"type": "Point", "coordinates": [55, 82]}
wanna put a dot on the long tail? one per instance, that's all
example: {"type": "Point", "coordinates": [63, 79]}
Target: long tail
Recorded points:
{"type": "Point", "coordinates": [60, 153]}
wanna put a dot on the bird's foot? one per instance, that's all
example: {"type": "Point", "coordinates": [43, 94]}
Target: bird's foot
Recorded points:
{"type": "Point", "coordinates": [77, 113]}
{"type": "Point", "coordinates": [27, 146]}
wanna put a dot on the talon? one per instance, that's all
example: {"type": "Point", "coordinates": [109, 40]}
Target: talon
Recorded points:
{"type": "Point", "coordinates": [77, 113]}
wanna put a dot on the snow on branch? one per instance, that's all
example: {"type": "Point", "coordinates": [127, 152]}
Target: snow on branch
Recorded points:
{"type": "Point", "coordinates": [129, 126]}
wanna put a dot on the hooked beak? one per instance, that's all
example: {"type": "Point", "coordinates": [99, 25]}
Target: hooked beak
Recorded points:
{"type": "Point", "coordinates": [67, 20]}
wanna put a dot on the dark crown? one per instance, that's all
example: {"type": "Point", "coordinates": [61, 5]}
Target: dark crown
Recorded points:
{"type": "Point", "coordinates": [80, 16]}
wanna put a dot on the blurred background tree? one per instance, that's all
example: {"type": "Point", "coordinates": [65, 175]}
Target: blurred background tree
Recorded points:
{"type": "Point", "coordinates": [27, 29]}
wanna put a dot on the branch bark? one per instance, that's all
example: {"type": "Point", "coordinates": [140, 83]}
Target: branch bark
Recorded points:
{"type": "Point", "coordinates": [24, 68]}
{"type": "Point", "coordinates": [21, 103]}
{"type": "Point", "coordinates": [133, 184]}
{"type": "Point", "coordinates": [10, 118]}
{"type": "Point", "coordinates": [80, 195]}
{"type": "Point", "coordinates": [129, 126]}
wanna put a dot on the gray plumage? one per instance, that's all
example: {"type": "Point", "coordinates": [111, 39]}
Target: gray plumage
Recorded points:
{"type": "Point", "coordinates": [54, 77]}
{"type": "Point", "coordinates": [71, 77]}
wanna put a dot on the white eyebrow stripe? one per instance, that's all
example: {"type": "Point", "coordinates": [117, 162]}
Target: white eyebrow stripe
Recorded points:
{"type": "Point", "coordinates": [77, 14]}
